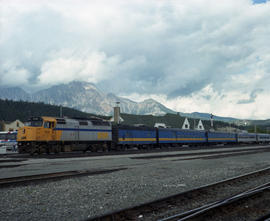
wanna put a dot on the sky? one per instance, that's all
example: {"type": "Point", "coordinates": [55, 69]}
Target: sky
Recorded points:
{"type": "Point", "coordinates": [192, 56]}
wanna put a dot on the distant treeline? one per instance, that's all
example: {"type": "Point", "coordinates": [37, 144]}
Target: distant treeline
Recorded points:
{"type": "Point", "coordinates": [257, 128]}
{"type": "Point", "coordinates": [172, 120]}
{"type": "Point", "coordinates": [22, 110]}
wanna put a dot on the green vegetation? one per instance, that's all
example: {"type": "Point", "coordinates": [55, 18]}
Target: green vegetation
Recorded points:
{"type": "Point", "coordinates": [172, 120]}
{"type": "Point", "coordinates": [12, 110]}
{"type": "Point", "coordinates": [259, 129]}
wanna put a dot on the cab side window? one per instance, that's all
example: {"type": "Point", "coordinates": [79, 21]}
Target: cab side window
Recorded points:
{"type": "Point", "coordinates": [47, 125]}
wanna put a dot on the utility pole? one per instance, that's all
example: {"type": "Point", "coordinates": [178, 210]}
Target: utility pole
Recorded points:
{"type": "Point", "coordinates": [212, 121]}
{"type": "Point", "coordinates": [117, 113]}
{"type": "Point", "coordinates": [61, 111]}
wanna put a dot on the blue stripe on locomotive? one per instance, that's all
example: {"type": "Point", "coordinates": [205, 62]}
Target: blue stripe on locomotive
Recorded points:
{"type": "Point", "coordinates": [181, 136]}
{"type": "Point", "coordinates": [136, 136]}
{"type": "Point", "coordinates": [214, 137]}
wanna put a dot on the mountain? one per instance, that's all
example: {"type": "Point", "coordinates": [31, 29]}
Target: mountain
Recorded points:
{"type": "Point", "coordinates": [80, 95]}
{"type": "Point", "coordinates": [14, 93]}
{"type": "Point", "coordinates": [12, 110]}
{"type": "Point", "coordinates": [260, 122]}
{"type": "Point", "coordinates": [85, 97]}
{"type": "Point", "coordinates": [88, 98]}
{"type": "Point", "coordinates": [150, 106]}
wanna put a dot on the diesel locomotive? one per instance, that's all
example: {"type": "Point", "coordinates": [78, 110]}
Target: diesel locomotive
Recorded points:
{"type": "Point", "coordinates": [52, 134]}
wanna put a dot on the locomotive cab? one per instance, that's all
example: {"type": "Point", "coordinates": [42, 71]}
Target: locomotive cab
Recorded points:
{"type": "Point", "coordinates": [49, 134]}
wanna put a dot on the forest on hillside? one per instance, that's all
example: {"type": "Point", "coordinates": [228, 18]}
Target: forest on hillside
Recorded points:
{"type": "Point", "coordinates": [22, 110]}
{"type": "Point", "coordinates": [171, 120]}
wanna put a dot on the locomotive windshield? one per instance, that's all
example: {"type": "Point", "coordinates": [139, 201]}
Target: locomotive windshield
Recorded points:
{"type": "Point", "coordinates": [35, 122]}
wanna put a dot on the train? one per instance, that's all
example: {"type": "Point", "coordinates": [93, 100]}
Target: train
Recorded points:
{"type": "Point", "coordinates": [8, 141]}
{"type": "Point", "coordinates": [55, 134]}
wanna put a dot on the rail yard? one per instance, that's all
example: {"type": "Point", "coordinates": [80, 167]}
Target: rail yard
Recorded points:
{"type": "Point", "coordinates": [135, 110]}
{"type": "Point", "coordinates": [74, 186]}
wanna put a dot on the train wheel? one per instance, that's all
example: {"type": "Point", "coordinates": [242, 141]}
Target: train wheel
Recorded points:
{"type": "Point", "coordinates": [48, 149]}
{"type": "Point", "coordinates": [88, 148]}
{"type": "Point", "coordinates": [33, 149]}
{"type": "Point", "coordinates": [93, 148]}
{"type": "Point", "coordinates": [20, 150]}
{"type": "Point", "coordinates": [56, 149]}
{"type": "Point", "coordinates": [124, 147]}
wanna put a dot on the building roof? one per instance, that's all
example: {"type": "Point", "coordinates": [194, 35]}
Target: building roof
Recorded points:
{"type": "Point", "coordinates": [172, 120]}
{"type": "Point", "coordinates": [9, 122]}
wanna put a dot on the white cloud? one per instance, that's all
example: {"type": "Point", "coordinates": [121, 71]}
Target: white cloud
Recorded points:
{"type": "Point", "coordinates": [64, 69]}
{"type": "Point", "coordinates": [224, 104]}
{"type": "Point", "coordinates": [12, 75]}
{"type": "Point", "coordinates": [169, 49]}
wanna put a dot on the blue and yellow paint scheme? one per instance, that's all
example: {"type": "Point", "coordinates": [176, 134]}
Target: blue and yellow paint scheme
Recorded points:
{"type": "Point", "coordinates": [221, 137]}
{"type": "Point", "coordinates": [62, 134]}
{"type": "Point", "coordinates": [128, 135]}
{"type": "Point", "coordinates": [179, 136]}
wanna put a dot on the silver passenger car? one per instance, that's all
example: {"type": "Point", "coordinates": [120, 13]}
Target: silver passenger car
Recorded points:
{"type": "Point", "coordinates": [246, 138]}
{"type": "Point", "coordinates": [263, 138]}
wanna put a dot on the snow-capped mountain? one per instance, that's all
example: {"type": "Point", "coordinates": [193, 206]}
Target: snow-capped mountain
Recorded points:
{"type": "Point", "coordinates": [14, 93]}
{"type": "Point", "coordinates": [85, 97]}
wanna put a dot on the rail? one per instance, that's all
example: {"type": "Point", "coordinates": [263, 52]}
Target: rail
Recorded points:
{"type": "Point", "coordinates": [206, 208]}
{"type": "Point", "coordinates": [24, 180]}
{"type": "Point", "coordinates": [156, 207]}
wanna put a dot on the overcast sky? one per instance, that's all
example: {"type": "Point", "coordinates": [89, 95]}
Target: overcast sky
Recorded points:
{"type": "Point", "coordinates": [196, 55]}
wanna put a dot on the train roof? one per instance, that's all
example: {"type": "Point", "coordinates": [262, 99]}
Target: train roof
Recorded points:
{"type": "Point", "coordinates": [64, 118]}
{"type": "Point", "coordinates": [87, 118]}
{"type": "Point", "coordinates": [130, 127]}
{"type": "Point", "coordinates": [8, 132]}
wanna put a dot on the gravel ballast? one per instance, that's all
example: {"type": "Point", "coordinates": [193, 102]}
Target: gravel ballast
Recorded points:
{"type": "Point", "coordinates": [145, 180]}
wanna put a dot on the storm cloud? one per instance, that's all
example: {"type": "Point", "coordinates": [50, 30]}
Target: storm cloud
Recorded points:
{"type": "Point", "coordinates": [174, 49]}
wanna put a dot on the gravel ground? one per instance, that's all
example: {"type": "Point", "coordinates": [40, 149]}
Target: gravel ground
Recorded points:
{"type": "Point", "coordinates": [144, 180]}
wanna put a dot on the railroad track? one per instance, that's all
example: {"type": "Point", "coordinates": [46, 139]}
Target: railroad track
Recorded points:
{"type": "Point", "coordinates": [24, 180]}
{"type": "Point", "coordinates": [228, 152]}
{"type": "Point", "coordinates": [130, 151]}
{"type": "Point", "coordinates": [197, 202]}
{"type": "Point", "coordinates": [217, 208]}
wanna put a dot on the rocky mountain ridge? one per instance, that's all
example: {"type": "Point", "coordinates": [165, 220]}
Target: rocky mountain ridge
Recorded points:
{"type": "Point", "coordinates": [85, 97]}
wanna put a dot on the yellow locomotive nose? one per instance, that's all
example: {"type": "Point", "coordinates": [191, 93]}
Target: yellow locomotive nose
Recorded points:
{"type": "Point", "coordinates": [26, 134]}
{"type": "Point", "coordinates": [21, 134]}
